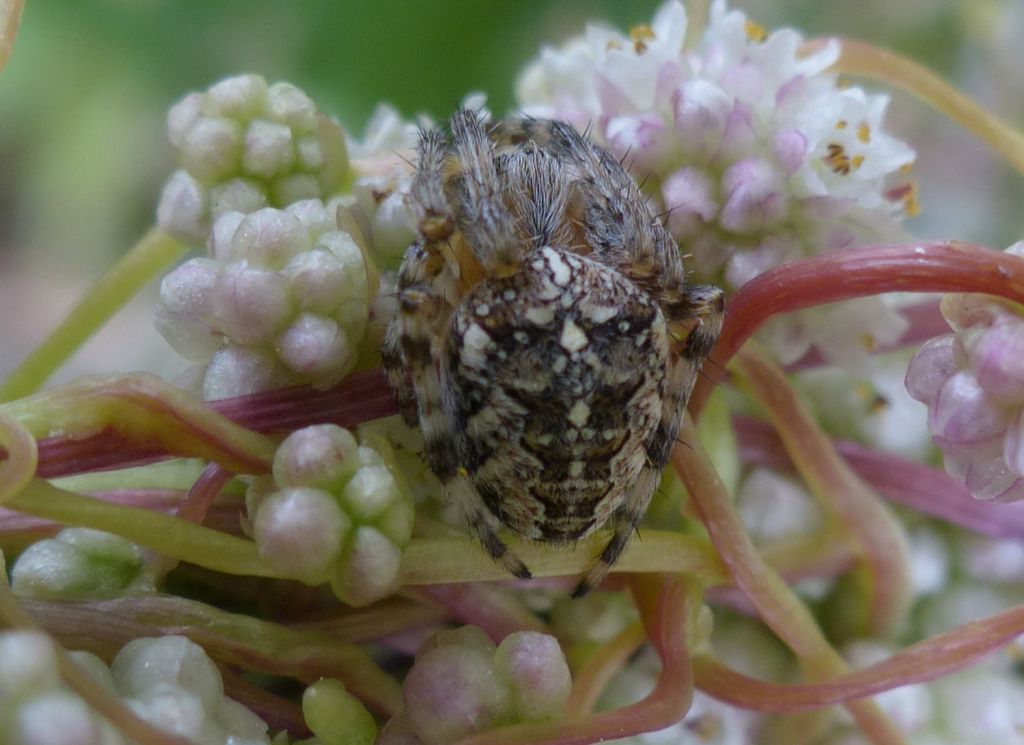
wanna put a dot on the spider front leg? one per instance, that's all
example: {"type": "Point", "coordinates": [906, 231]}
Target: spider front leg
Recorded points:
{"type": "Point", "coordinates": [705, 306]}
{"type": "Point", "coordinates": [423, 316]}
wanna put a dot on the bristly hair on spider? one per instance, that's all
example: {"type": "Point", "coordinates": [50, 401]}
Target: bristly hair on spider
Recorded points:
{"type": "Point", "coordinates": [531, 342]}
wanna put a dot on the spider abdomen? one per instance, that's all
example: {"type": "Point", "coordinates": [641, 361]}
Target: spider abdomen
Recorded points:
{"type": "Point", "coordinates": [553, 378]}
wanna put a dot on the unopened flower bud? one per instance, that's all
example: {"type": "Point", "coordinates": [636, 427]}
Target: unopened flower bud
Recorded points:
{"type": "Point", "coordinates": [453, 691]}
{"type": "Point", "coordinates": [323, 456]}
{"type": "Point", "coordinates": [300, 531]}
{"type": "Point", "coordinates": [538, 673]}
{"type": "Point", "coordinates": [335, 716]}
{"type": "Point", "coordinates": [144, 664]}
{"type": "Point", "coordinates": [80, 563]}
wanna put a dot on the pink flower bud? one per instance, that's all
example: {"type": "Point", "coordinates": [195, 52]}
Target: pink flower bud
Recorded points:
{"type": "Point", "coordinates": [690, 196]}
{"type": "Point", "coordinates": [962, 413]}
{"type": "Point", "coordinates": [323, 456]}
{"type": "Point", "coordinates": [453, 691]}
{"type": "Point", "coordinates": [930, 368]}
{"type": "Point", "coordinates": [314, 346]}
{"type": "Point", "coordinates": [300, 531]}
{"type": "Point", "coordinates": [538, 673]}
{"type": "Point", "coordinates": [754, 196]}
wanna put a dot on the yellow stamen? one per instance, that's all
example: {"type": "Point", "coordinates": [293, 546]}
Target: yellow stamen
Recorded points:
{"type": "Point", "coordinates": [640, 35]}
{"type": "Point", "coordinates": [856, 161]}
{"type": "Point", "coordinates": [842, 124]}
{"type": "Point", "coordinates": [837, 159]}
{"type": "Point", "coordinates": [755, 31]}
{"type": "Point", "coordinates": [864, 133]}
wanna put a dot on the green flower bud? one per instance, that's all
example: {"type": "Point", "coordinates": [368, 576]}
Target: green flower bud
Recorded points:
{"type": "Point", "coordinates": [80, 563]}
{"type": "Point", "coordinates": [337, 717]}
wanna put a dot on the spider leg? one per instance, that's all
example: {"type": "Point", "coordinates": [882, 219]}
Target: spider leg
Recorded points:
{"type": "Point", "coordinates": [611, 212]}
{"type": "Point", "coordinates": [423, 314]}
{"type": "Point", "coordinates": [703, 304]}
{"type": "Point", "coordinates": [483, 217]}
{"type": "Point", "coordinates": [623, 523]}
{"type": "Point", "coordinates": [396, 368]}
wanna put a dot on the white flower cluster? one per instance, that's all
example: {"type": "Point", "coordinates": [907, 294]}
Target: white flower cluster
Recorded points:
{"type": "Point", "coordinates": [244, 145]}
{"type": "Point", "coordinates": [332, 512]}
{"type": "Point", "coordinates": [168, 681]}
{"type": "Point", "coordinates": [282, 298]}
{"type": "Point", "coordinates": [748, 145]}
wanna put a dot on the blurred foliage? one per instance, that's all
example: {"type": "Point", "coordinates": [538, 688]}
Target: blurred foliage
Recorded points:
{"type": "Point", "coordinates": [82, 102]}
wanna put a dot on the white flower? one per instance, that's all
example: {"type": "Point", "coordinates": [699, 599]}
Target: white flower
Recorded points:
{"type": "Point", "coordinates": [749, 146]}
{"type": "Point", "coordinates": [380, 193]}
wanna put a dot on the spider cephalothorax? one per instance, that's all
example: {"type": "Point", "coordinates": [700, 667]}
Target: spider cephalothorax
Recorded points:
{"type": "Point", "coordinates": [532, 337]}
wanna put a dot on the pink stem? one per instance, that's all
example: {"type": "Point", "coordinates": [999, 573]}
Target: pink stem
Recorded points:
{"type": "Point", "coordinates": [493, 608]}
{"type": "Point", "coordinates": [777, 605]}
{"type": "Point", "coordinates": [927, 660]}
{"type": "Point", "coordinates": [361, 396]}
{"type": "Point", "coordinates": [950, 266]}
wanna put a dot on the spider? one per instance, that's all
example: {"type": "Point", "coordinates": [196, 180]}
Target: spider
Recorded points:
{"type": "Point", "coordinates": [531, 342]}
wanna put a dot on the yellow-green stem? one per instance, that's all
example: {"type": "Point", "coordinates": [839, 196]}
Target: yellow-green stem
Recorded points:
{"type": "Point", "coordinates": [10, 18]}
{"type": "Point", "coordinates": [171, 536]}
{"type": "Point", "coordinates": [146, 260]}
{"type": "Point", "coordinates": [19, 467]}
{"type": "Point", "coordinates": [431, 561]}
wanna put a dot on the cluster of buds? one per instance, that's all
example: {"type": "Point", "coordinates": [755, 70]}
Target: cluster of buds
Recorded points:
{"type": "Point", "coordinates": [171, 682]}
{"type": "Point", "coordinates": [168, 681]}
{"type": "Point", "coordinates": [462, 683]}
{"type": "Point", "coordinates": [750, 147]}
{"type": "Point", "coordinates": [973, 384]}
{"type": "Point", "coordinates": [35, 708]}
{"type": "Point", "coordinates": [333, 511]}
{"type": "Point", "coordinates": [282, 298]}
{"type": "Point", "coordinates": [244, 145]}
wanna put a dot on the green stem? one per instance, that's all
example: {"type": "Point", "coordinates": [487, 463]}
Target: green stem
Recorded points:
{"type": "Point", "coordinates": [19, 467]}
{"type": "Point", "coordinates": [168, 535]}
{"type": "Point", "coordinates": [431, 561]}
{"type": "Point", "coordinates": [259, 646]}
{"type": "Point", "coordinates": [146, 260]}
{"type": "Point", "coordinates": [146, 412]}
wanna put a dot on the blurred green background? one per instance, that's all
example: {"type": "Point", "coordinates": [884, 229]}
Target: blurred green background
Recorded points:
{"type": "Point", "coordinates": [82, 102]}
